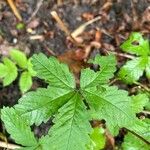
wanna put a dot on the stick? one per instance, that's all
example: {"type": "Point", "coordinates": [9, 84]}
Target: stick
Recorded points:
{"type": "Point", "coordinates": [64, 28]}
{"type": "Point", "coordinates": [14, 9]}
{"type": "Point", "coordinates": [81, 28]}
{"type": "Point", "coordinates": [36, 10]}
{"type": "Point", "coordinates": [9, 146]}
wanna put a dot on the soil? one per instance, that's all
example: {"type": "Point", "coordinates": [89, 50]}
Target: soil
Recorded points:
{"type": "Point", "coordinates": [119, 19]}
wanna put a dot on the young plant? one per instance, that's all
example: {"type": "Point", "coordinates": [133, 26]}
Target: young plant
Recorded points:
{"type": "Point", "coordinates": [71, 106]}
{"type": "Point", "coordinates": [134, 69]}
{"type": "Point", "coordinates": [9, 70]}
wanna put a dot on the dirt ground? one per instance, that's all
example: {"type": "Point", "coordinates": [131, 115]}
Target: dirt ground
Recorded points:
{"type": "Point", "coordinates": [43, 34]}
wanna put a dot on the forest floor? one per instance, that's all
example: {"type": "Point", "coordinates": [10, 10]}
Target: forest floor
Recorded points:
{"type": "Point", "coordinates": [42, 33]}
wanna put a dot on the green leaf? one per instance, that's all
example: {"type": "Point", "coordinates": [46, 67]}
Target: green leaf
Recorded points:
{"type": "Point", "coordinates": [71, 127]}
{"type": "Point", "coordinates": [11, 73]}
{"type": "Point", "coordinates": [133, 142]}
{"type": "Point", "coordinates": [113, 105]}
{"type": "Point", "coordinates": [30, 67]}
{"type": "Point", "coordinates": [133, 70]}
{"type": "Point", "coordinates": [141, 128]}
{"type": "Point", "coordinates": [148, 68]}
{"type": "Point", "coordinates": [98, 139]}
{"type": "Point", "coordinates": [19, 57]}
{"type": "Point", "coordinates": [41, 105]}
{"type": "Point", "coordinates": [25, 81]}
{"type": "Point", "coordinates": [138, 102]}
{"type": "Point", "coordinates": [3, 70]}
{"type": "Point", "coordinates": [17, 126]}
{"type": "Point", "coordinates": [141, 47]}
{"type": "Point", "coordinates": [53, 72]}
{"type": "Point", "coordinates": [107, 67]}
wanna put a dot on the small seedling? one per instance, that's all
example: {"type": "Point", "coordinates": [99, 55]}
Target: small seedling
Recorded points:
{"type": "Point", "coordinates": [73, 107]}
{"type": "Point", "coordinates": [134, 69]}
{"type": "Point", "coordinates": [10, 67]}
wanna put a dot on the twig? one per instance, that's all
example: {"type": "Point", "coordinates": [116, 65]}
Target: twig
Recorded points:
{"type": "Point", "coordinates": [113, 81]}
{"type": "Point", "coordinates": [9, 146]}
{"type": "Point", "coordinates": [143, 86]}
{"type": "Point", "coordinates": [64, 28]}
{"type": "Point", "coordinates": [36, 10]}
{"type": "Point", "coordinates": [82, 27]}
{"type": "Point", "coordinates": [146, 112]}
{"type": "Point", "coordinates": [137, 135]}
{"type": "Point", "coordinates": [14, 9]}
{"type": "Point", "coordinates": [122, 54]}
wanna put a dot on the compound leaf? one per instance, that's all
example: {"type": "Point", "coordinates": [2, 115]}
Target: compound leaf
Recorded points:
{"type": "Point", "coordinates": [25, 82]}
{"type": "Point", "coordinates": [113, 105]}
{"type": "Point", "coordinates": [71, 127]}
{"type": "Point", "coordinates": [53, 72]}
{"type": "Point", "coordinates": [40, 105]}
{"type": "Point", "coordinates": [18, 127]}
{"type": "Point", "coordinates": [90, 78]}
{"type": "Point", "coordinates": [19, 57]}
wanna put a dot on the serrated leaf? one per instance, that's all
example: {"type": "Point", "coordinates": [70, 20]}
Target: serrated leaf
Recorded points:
{"type": "Point", "coordinates": [25, 81]}
{"type": "Point", "coordinates": [19, 57]}
{"type": "Point", "coordinates": [132, 141]}
{"type": "Point", "coordinates": [148, 68]}
{"type": "Point", "coordinates": [141, 128]}
{"type": "Point", "coordinates": [18, 128]}
{"type": "Point", "coordinates": [113, 105]}
{"type": "Point", "coordinates": [40, 105]}
{"type": "Point", "coordinates": [98, 139]}
{"type": "Point", "coordinates": [53, 72]}
{"type": "Point", "coordinates": [90, 78]}
{"type": "Point", "coordinates": [71, 127]}
{"type": "Point", "coordinates": [138, 102]}
{"type": "Point", "coordinates": [139, 48]}
{"type": "Point", "coordinates": [3, 70]}
{"type": "Point", "coordinates": [30, 67]}
{"type": "Point", "coordinates": [11, 72]}
{"type": "Point", "coordinates": [133, 70]}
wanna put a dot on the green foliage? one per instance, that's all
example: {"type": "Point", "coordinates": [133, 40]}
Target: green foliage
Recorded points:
{"type": "Point", "coordinates": [107, 67]}
{"type": "Point", "coordinates": [9, 70]}
{"type": "Point", "coordinates": [53, 72]}
{"type": "Point", "coordinates": [138, 102]}
{"type": "Point", "coordinates": [131, 141]}
{"type": "Point", "coordinates": [18, 127]}
{"type": "Point", "coordinates": [134, 69]}
{"type": "Point", "coordinates": [71, 108]}
{"type": "Point", "coordinates": [19, 57]}
{"type": "Point", "coordinates": [98, 139]}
